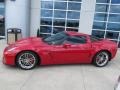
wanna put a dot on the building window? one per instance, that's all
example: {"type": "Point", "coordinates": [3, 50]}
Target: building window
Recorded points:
{"type": "Point", "coordinates": [2, 18]}
{"type": "Point", "coordinates": [107, 19]}
{"type": "Point", "coordinates": [114, 8]}
{"type": "Point", "coordinates": [115, 1]}
{"type": "Point", "coordinates": [100, 17]}
{"type": "Point", "coordinates": [112, 35]}
{"type": "Point", "coordinates": [98, 33]}
{"type": "Point", "coordinates": [99, 25]}
{"type": "Point", "coordinates": [101, 7]}
{"type": "Point", "coordinates": [59, 15]}
{"type": "Point", "coordinates": [113, 26]}
{"type": "Point", "coordinates": [102, 1]}
{"type": "Point", "coordinates": [114, 18]}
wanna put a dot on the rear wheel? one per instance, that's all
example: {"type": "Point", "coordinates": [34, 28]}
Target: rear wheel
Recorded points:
{"type": "Point", "coordinates": [26, 60]}
{"type": "Point", "coordinates": [101, 59]}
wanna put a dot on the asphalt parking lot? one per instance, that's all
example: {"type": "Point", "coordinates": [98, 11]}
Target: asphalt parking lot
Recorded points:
{"type": "Point", "coordinates": [59, 77]}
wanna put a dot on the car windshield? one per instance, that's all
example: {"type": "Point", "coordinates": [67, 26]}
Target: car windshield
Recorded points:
{"type": "Point", "coordinates": [56, 39]}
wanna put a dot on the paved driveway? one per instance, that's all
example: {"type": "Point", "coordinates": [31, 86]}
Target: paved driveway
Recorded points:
{"type": "Point", "coordinates": [61, 77]}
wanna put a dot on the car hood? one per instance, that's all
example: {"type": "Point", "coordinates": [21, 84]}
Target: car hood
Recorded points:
{"type": "Point", "coordinates": [28, 43]}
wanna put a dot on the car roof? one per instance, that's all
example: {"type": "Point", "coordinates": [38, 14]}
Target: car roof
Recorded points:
{"type": "Point", "coordinates": [76, 33]}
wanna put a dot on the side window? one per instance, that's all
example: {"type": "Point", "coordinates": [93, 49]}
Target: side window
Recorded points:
{"type": "Point", "coordinates": [77, 40]}
{"type": "Point", "coordinates": [94, 39]}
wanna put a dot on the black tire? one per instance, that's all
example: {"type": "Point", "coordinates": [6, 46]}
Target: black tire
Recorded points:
{"type": "Point", "coordinates": [24, 59]}
{"type": "Point", "coordinates": [101, 62]}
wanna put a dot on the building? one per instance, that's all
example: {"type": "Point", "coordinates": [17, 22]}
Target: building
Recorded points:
{"type": "Point", "coordinates": [97, 17]}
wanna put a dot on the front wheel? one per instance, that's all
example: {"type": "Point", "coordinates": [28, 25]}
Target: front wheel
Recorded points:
{"type": "Point", "coordinates": [26, 60]}
{"type": "Point", "coordinates": [101, 59]}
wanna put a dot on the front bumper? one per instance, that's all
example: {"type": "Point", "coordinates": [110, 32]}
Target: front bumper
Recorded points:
{"type": "Point", "coordinates": [8, 58]}
{"type": "Point", "coordinates": [3, 60]}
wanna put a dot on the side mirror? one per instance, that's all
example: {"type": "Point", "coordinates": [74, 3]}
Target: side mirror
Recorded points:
{"type": "Point", "coordinates": [66, 45]}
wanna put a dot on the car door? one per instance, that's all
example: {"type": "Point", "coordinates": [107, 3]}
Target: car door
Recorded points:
{"type": "Point", "coordinates": [74, 50]}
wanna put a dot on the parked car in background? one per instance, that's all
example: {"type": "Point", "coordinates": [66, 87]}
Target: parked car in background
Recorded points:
{"type": "Point", "coordinates": [62, 48]}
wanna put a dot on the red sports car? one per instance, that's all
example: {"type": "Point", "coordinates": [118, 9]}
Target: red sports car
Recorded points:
{"type": "Point", "coordinates": [61, 48]}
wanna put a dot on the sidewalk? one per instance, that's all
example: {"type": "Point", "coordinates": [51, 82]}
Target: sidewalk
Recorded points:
{"type": "Point", "coordinates": [63, 77]}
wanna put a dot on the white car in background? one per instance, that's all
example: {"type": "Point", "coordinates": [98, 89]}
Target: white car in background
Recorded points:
{"type": "Point", "coordinates": [117, 86]}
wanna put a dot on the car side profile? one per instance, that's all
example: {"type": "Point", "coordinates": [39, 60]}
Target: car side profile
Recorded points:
{"type": "Point", "coordinates": [62, 48]}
